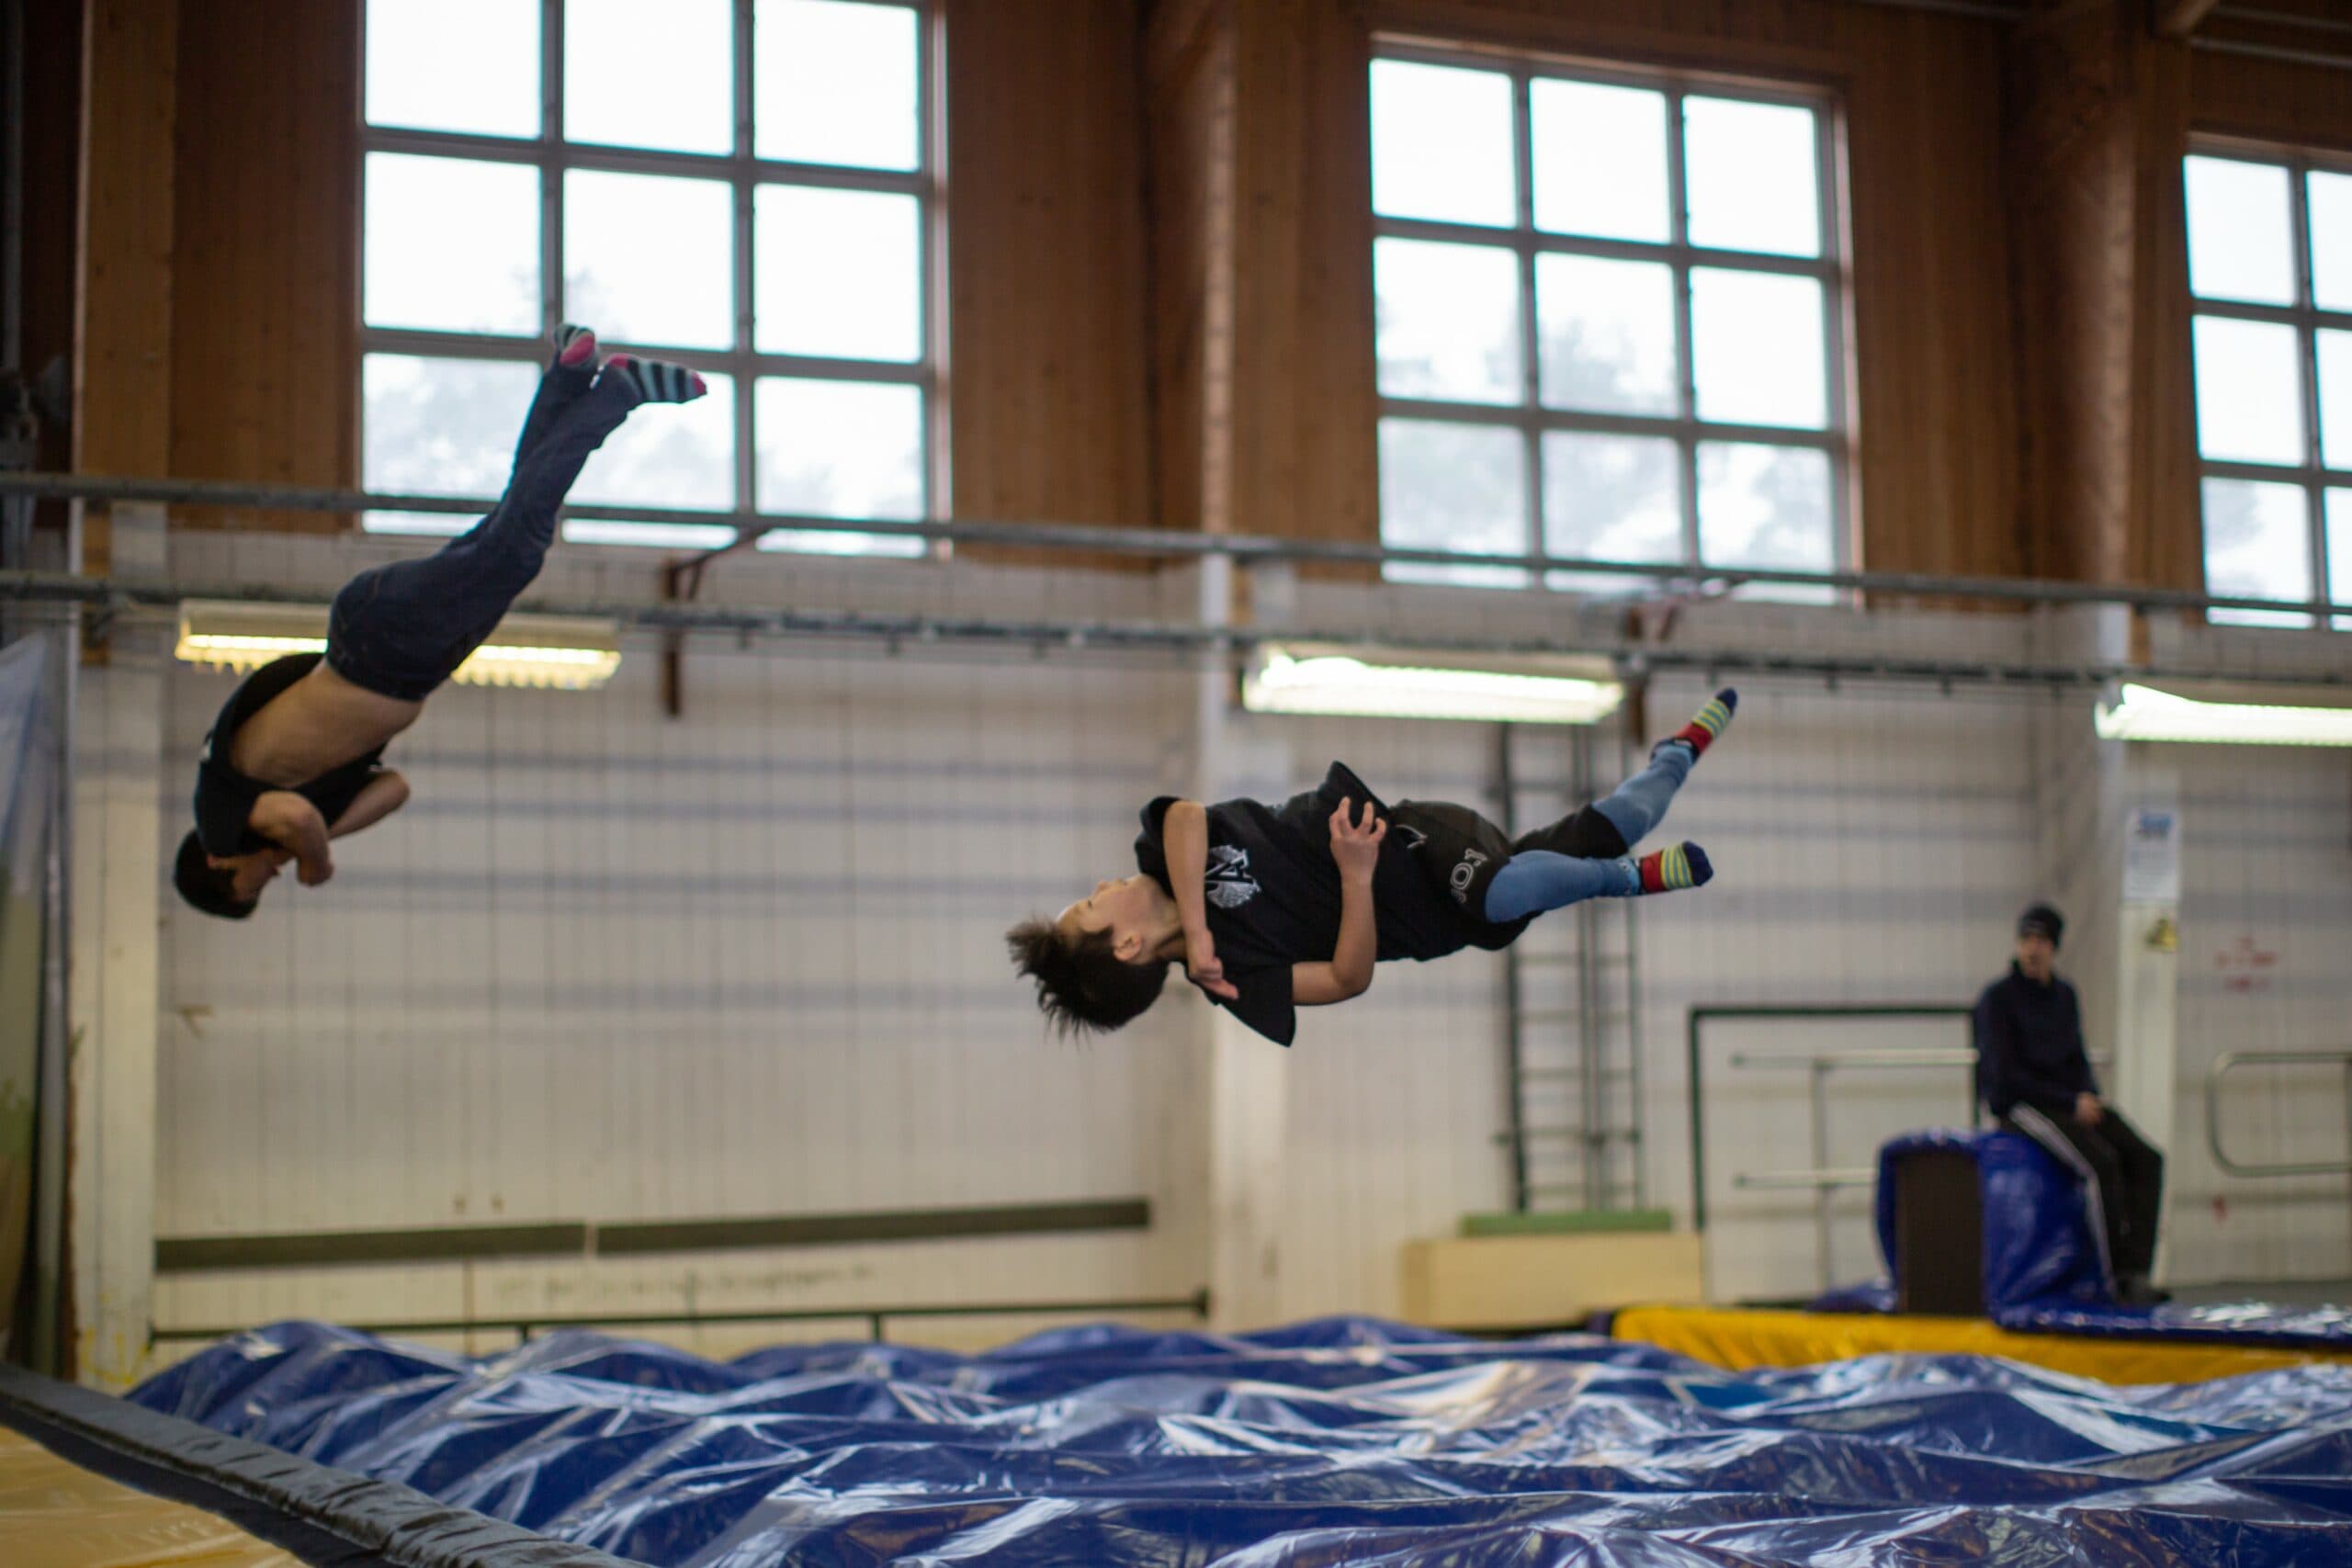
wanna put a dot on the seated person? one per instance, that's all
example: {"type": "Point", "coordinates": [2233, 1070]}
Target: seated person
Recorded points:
{"type": "Point", "coordinates": [2034, 1074]}
{"type": "Point", "coordinates": [1272, 908]}
{"type": "Point", "coordinates": [295, 759]}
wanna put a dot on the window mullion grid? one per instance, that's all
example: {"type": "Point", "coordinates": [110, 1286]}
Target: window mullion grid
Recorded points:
{"type": "Point", "coordinates": [1833, 342]}
{"type": "Point", "coordinates": [931, 268]}
{"type": "Point", "coordinates": [2306, 316]}
{"type": "Point", "coordinates": [1824, 269]}
{"type": "Point", "coordinates": [551, 169]}
{"type": "Point", "coordinates": [745, 359]}
{"type": "Point", "coordinates": [1685, 351]}
{"type": "Point", "coordinates": [2307, 367]}
{"type": "Point", "coordinates": [554, 157]}
{"type": "Point", "coordinates": [644, 160]}
{"type": "Point", "coordinates": [1531, 377]}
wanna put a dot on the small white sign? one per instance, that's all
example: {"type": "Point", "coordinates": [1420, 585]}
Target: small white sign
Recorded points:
{"type": "Point", "coordinates": [2152, 857]}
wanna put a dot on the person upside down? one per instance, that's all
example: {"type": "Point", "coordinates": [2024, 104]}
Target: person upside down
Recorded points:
{"type": "Point", "coordinates": [296, 758]}
{"type": "Point", "coordinates": [1272, 908]}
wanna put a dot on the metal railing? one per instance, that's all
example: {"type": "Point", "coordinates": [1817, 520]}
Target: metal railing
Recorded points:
{"type": "Point", "coordinates": [1695, 1038]}
{"type": "Point", "coordinates": [1820, 1179]}
{"type": "Point", "coordinates": [106, 600]}
{"type": "Point", "coordinates": [1160, 542]}
{"type": "Point", "coordinates": [1824, 1180]}
{"type": "Point", "coordinates": [2229, 1062]}
{"type": "Point", "coordinates": [1820, 1064]}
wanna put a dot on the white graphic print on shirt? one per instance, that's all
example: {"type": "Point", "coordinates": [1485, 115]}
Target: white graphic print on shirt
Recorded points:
{"type": "Point", "coordinates": [1227, 879]}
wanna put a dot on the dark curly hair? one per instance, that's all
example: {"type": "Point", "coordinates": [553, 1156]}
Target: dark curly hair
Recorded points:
{"type": "Point", "coordinates": [1081, 984]}
{"type": "Point", "coordinates": [206, 886]}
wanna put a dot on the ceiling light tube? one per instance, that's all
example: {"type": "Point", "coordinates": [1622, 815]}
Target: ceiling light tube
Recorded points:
{"type": "Point", "coordinates": [563, 652]}
{"type": "Point", "coordinates": [1404, 685]}
{"type": "Point", "coordinates": [2143, 713]}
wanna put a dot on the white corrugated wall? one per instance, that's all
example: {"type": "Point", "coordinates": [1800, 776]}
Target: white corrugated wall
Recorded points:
{"type": "Point", "coordinates": [610, 965]}
{"type": "Point", "coordinates": [2265, 965]}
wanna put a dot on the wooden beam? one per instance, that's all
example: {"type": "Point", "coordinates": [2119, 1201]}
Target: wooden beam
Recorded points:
{"type": "Point", "coordinates": [2098, 120]}
{"type": "Point", "coordinates": [122, 338]}
{"type": "Point", "coordinates": [1048, 333]}
{"type": "Point", "coordinates": [2178, 18]}
{"type": "Point", "coordinates": [264, 326]}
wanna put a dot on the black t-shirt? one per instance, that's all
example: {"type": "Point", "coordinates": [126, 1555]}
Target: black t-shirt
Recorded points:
{"type": "Point", "coordinates": [224, 797]}
{"type": "Point", "coordinates": [1273, 894]}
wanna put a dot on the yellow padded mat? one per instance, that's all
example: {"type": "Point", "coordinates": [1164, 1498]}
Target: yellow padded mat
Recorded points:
{"type": "Point", "coordinates": [1738, 1340]}
{"type": "Point", "coordinates": [57, 1514]}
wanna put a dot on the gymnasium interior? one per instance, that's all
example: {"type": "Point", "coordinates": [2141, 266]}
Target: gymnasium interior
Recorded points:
{"type": "Point", "coordinates": [641, 1149]}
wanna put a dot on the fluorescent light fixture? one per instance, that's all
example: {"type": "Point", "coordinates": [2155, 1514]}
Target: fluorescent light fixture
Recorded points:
{"type": "Point", "coordinates": [2143, 713]}
{"type": "Point", "coordinates": [568, 653]}
{"type": "Point", "coordinates": [1406, 684]}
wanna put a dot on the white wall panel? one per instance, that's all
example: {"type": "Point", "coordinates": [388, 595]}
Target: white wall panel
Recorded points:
{"type": "Point", "coordinates": [1394, 1097]}
{"type": "Point", "coordinates": [611, 966]}
{"type": "Point", "coordinates": [1870, 847]}
{"type": "Point", "coordinates": [2265, 965]}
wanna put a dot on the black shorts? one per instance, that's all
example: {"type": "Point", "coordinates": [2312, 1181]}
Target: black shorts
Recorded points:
{"type": "Point", "coordinates": [1463, 851]}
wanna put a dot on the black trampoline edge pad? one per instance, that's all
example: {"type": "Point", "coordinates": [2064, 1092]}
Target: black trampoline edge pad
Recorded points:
{"type": "Point", "coordinates": [327, 1517]}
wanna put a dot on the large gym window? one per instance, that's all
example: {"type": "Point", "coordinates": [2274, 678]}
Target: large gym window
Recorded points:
{"type": "Point", "coordinates": [2270, 268]}
{"type": "Point", "coordinates": [742, 185]}
{"type": "Point", "coordinates": [1610, 320]}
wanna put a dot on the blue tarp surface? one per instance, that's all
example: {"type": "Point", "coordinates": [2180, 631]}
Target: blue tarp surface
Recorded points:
{"type": "Point", "coordinates": [2042, 1272]}
{"type": "Point", "coordinates": [1336, 1441]}
{"type": "Point", "coordinates": [2038, 1245]}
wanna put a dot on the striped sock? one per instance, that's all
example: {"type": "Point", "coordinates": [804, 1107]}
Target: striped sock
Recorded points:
{"type": "Point", "coordinates": [1684, 866]}
{"type": "Point", "coordinates": [575, 348]}
{"type": "Point", "coordinates": [1706, 724]}
{"type": "Point", "coordinates": [654, 381]}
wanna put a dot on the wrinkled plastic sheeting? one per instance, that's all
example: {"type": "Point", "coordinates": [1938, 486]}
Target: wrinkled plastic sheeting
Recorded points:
{"type": "Point", "coordinates": [2326, 1328]}
{"type": "Point", "coordinates": [1341, 1440]}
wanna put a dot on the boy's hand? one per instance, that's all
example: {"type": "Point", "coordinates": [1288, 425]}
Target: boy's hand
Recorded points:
{"type": "Point", "coordinates": [294, 825]}
{"type": "Point", "coordinates": [1356, 848]}
{"type": "Point", "coordinates": [1202, 964]}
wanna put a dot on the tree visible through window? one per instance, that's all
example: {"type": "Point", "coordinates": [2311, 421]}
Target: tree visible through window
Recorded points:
{"type": "Point", "coordinates": [2270, 268]}
{"type": "Point", "coordinates": [742, 185]}
{"type": "Point", "coordinates": [1607, 323]}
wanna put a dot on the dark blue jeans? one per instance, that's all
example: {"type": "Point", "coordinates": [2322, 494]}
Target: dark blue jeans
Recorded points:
{"type": "Point", "coordinates": [403, 628]}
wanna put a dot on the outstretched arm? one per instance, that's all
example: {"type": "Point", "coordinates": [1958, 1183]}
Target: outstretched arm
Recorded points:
{"type": "Point", "coordinates": [1356, 849]}
{"type": "Point", "coordinates": [384, 794]}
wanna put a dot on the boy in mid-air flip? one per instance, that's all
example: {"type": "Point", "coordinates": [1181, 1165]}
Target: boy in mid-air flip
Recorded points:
{"type": "Point", "coordinates": [295, 759]}
{"type": "Point", "coordinates": [1272, 908]}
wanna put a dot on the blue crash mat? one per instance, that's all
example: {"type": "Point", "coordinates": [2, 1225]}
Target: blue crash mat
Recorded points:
{"type": "Point", "coordinates": [2236, 1322]}
{"type": "Point", "coordinates": [2041, 1266]}
{"type": "Point", "coordinates": [1341, 1440]}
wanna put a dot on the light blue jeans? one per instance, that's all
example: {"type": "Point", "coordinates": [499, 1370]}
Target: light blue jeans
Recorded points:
{"type": "Point", "coordinates": [1535, 880]}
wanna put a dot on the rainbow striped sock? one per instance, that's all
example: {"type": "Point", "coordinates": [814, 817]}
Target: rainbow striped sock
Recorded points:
{"type": "Point", "coordinates": [653, 380]}
{"type": "Point", "coordinates": [1707, 723]}
{"type": "Point", "coordinates": [1670, 870]}
{"type": "Point", "coordinates": [575, 347]}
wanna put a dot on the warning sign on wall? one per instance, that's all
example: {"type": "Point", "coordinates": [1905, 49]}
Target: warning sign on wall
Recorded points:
{"type": "Point", "coordinates": [2152, 857]}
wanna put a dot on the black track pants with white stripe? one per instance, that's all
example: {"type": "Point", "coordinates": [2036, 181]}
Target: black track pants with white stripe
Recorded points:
{"type": "Point", "coordinates": [2124, 1178]}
